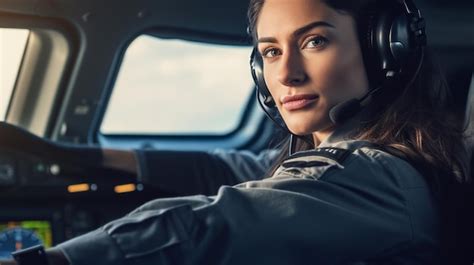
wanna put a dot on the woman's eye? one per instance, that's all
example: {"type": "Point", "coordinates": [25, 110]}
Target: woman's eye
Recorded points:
{"type": "Point", "coordinates": [269, 53]}
{"type": "Point", "coordinates": [316, 42]}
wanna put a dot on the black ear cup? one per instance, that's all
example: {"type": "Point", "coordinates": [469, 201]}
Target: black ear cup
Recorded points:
{"type": "Point", "coordinates": [256, 66]}
{"type": "Point", "coordinates": [396, 34]}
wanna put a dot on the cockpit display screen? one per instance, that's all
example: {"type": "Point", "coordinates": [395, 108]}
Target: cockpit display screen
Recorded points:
{"type": "Point", "coordinates": [16, 235]}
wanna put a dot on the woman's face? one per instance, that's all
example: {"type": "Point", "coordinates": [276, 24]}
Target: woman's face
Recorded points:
{"type": "Point", "coordinates": [312, 61]}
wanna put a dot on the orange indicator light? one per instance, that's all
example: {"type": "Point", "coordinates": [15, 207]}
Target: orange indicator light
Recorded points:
{"type": "Point", "coordinates": [78, 188]}
{"type": "Point", "coordinates": [125, 188]}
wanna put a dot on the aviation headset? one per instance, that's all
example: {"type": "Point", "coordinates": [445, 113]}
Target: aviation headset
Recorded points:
{"type": "Point", "coordinates": [391, 36]}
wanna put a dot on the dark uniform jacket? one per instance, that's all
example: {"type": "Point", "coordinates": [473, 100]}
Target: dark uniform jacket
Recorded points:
{"type": "Point", "coordinates": [343, 203]}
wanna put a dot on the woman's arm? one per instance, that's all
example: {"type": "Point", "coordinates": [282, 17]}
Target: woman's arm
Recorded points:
{"type": "Point", "coordinates": [197, 172]}
{"type": "Point", "coordinates": [327, 214]}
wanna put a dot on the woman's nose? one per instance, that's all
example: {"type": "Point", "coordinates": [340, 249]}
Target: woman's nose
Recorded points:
{"type": "Point", "coordinates": [291, 71]}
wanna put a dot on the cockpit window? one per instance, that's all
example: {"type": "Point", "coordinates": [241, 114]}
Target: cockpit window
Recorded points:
{"type": "Point", "coordinates": [179, 87]}
{"type": "Point", "coordinates": [12, 47]}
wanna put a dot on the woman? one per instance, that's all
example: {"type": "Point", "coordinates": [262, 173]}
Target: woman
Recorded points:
{"type": "Point", "coordinates": [367, 186]}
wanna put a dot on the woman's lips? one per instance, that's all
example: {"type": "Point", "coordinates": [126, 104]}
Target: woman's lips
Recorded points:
{"type": "Point", "coordinates": [291, 103]}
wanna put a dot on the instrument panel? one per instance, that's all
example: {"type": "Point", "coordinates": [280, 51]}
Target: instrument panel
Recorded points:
{"type": "Point", "coordinates": [43, 201]}
{"type": "Point", "coordinates": [16, 235]}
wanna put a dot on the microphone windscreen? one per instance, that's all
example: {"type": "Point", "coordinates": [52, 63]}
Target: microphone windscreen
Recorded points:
{"type": "Point", "coordinates": [344, 110]}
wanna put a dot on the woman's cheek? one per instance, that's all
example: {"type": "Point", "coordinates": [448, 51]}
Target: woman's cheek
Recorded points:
{"type": "Point", "coordinates": [328, 75]}
{"type": "Point", "coordinates": [337, 76]}
{"type": "Point", "coordinates": [272, 83]}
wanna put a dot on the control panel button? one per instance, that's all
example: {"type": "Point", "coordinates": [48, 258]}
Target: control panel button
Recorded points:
{"type": "Point", "coordinates": [7, 172]}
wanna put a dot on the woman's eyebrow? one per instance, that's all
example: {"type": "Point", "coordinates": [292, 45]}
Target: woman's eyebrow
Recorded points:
{"type": "Point", "coordinates": [310, 26]}
{"type": "Point", "coordinates": [267, 39]}
{"type": "Point", "coordinates": [299, 31]}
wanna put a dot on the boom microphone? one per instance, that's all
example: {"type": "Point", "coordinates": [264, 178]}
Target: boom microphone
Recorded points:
{"type": "Point", "coordinates": [347, 109]}
{"type": "Point", "coordinates": [344, 110]}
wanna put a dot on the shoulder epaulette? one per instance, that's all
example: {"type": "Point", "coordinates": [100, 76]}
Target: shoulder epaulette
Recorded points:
{"type": "Point", "coordinates": [336, 154]}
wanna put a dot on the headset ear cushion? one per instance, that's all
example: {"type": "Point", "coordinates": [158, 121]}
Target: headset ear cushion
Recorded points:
{"type": "Point", "coordinates": [393, 39]}
{"type": "Point", "coordinates": [256, 66]}
{"type": "Point", "coordinates": [386, 62]}
{"type": "Point", "coordinates": [402, 46]}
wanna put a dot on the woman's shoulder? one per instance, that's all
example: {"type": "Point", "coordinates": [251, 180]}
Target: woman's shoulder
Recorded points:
{"type": "Point", "coordinates": [356, 159]}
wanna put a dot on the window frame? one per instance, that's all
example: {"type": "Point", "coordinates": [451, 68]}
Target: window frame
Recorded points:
{"type": "Point", "coordinates": [50, 33]}
{"type": "Point", "coordinates": [252, 132]}
{"type": "Point", "coordinates": [164, 35]}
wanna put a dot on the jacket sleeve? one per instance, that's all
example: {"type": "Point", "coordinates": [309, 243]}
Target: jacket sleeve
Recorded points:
{"type": "Point", "coordinates": [330, 214]}
{"type": "Point", "coordinates": [203, 172]}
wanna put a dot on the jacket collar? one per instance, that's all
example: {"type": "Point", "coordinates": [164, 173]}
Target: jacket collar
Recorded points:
{"type": "Point", "coordinates": [345, 131]}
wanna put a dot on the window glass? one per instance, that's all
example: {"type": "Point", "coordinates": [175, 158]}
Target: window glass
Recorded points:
{"type": "Point", "coordinates": [179, 87]}
{"type": "Point", "coordinates": [12, 47]}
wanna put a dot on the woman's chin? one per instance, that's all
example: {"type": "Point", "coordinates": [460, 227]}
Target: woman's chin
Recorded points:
{"type": "Point", "coordinates": [300, 131]}
{"type": "Point", "coordinates": [309, 129]}
{"type": "Point", "coordinates": [307, 123]}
